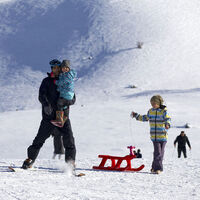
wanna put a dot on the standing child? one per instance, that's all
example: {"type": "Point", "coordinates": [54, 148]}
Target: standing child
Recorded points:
{"type": "Point", "coordinates": [159, 121]}
{"type": "Point", "coordinates": [66, 88]}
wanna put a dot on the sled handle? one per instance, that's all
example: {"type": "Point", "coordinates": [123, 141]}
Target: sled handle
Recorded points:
{"type": "Point", "coordinates": [131, 150]}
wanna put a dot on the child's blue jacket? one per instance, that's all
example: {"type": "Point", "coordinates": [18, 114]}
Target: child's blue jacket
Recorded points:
{"type": "Point", "coordinates": [66, 84]}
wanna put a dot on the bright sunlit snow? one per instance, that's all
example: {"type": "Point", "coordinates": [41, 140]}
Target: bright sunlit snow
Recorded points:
{"type": "Point", "coordinates": [100, 37]}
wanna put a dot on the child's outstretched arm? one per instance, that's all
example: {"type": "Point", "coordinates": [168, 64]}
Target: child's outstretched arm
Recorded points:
{"type": "Point", "coordinates": [139, 117]}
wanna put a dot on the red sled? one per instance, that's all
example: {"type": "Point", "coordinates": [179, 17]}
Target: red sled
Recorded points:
{"type": "Point", "coordinates": [115, 166]}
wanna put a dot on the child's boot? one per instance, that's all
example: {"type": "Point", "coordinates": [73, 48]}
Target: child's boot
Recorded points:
{"type": "Point", "coordinates": [63, 118]}
{"type": "Point", "coordinates": [58, 120]}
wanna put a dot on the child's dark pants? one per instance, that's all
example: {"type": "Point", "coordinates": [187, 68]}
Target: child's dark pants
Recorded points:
{"type": "Point", "coordinates": [65, 103]}
{"type": "Point", "coordinates": [159, 149]}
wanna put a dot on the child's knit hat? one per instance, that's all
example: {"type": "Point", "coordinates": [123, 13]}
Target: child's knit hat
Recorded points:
{"type": "Point", "coordinates": [157, 99]}
{"type": "Point", "coordinates": [65, 63]}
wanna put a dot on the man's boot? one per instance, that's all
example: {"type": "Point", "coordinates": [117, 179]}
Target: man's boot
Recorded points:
{"type": "Point", "coordinates": [27, 163]}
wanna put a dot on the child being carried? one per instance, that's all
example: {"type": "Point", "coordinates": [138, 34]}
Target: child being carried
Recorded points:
{"type": "Point", "coordinates": [66, 88]}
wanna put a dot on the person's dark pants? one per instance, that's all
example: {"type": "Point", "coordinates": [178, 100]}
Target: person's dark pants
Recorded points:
{"type": "Point", "coordinates": [159, 149]}
{"type": "Point", "coordinates": [68, 141]}
{"type": "Point", "coordinates": [45, 131]}
{"type": "Point", "coordinates": [182, 149]}
{"type": "Point", "coordinates": [58, 144]}
{"type": "Point", "coordinates": [64, 103]}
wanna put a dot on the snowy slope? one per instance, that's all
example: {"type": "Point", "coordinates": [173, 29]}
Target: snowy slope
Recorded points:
{"type": "Point", "coordinates": [170, 55]}
{"type": "Point", "coordinates": [102, 129]}
{"type": "Point", "coordinates": [100, 38]}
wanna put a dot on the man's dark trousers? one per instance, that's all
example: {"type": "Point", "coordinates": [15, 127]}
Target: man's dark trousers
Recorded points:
{"type": "Point", "coordinates": [182, 149]}
{"type": "Point", "coordinates": [45, 131]}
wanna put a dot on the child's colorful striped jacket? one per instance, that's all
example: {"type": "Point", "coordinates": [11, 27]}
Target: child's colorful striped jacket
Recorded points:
{"type": "Point", "coordinates": [158, 119]}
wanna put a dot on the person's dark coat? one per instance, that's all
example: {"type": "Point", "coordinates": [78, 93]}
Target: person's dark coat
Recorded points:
{"type": "Point", "coordinates": [139, 155]}
{"type": "Point", "coordinates": [48, 97]}
{"type": "Point", "coordinates": [182, 140]}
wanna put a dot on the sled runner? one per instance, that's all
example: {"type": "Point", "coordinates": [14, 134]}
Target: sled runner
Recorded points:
{"type": "Point", "coordinates": [116, 166]}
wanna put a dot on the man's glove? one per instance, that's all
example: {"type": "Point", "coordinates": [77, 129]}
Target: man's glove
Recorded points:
{"type": "Point", "coordinates": [48, 109]}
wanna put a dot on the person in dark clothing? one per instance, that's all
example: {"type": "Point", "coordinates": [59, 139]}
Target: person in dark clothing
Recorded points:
{"type": "Point", "coordinates": [182, 139]}
{"type": "Point", "coordinates": [138, 154]}
{"type": "Point", "coordinates": [48, 97]}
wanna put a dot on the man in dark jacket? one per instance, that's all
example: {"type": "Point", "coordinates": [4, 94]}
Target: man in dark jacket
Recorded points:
{"type": "Point", "coordinates": [182, 139]}
{"type": "Point", "coordinates": [48, 96]}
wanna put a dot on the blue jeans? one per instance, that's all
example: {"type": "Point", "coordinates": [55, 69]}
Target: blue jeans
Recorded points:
{"type": "Point", "coordinates": [159, 149]}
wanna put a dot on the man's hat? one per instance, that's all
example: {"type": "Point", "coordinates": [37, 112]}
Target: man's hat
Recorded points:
{"type": "Point", "coordinates": [55, 62]}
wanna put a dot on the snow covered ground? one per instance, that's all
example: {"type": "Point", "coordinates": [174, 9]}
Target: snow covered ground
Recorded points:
{"type": "Point", "coordinates": [100, 38]}
{"type": "Point", "coordinates": [103, 129]}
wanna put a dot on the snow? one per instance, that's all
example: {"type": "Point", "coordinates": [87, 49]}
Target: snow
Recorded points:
{"type": "Point", "coordinates": [102, 129]}
{"type": "Point", "coordinates": [100, 38]}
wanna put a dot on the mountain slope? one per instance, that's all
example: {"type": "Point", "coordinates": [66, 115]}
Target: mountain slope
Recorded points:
{"type": "Point", "coordinates": [100, 38]}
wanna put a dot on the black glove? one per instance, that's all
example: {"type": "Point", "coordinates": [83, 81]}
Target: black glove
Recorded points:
{"type": "Point", "coordinates": [48, 109]}
{"type": "Point", "coordinates": [133, 114]}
